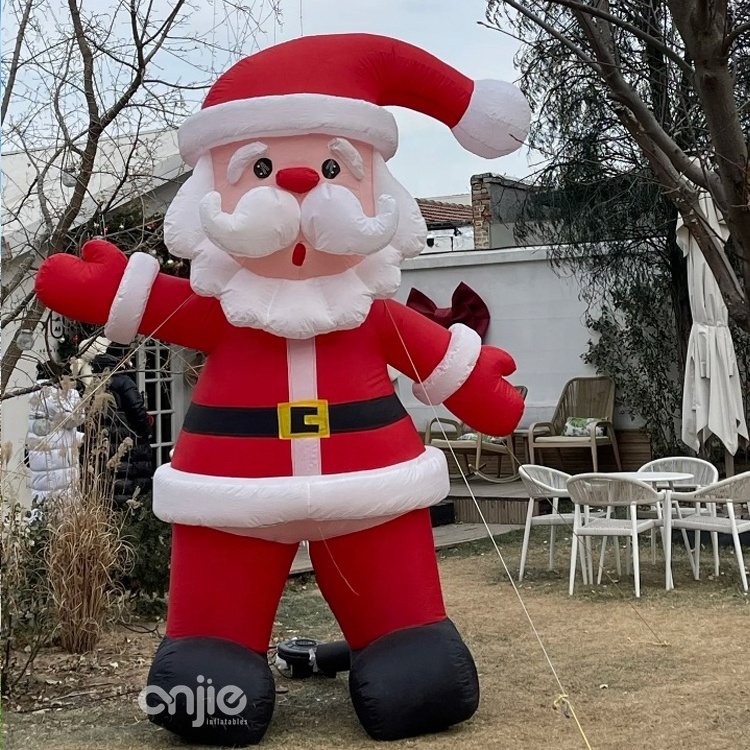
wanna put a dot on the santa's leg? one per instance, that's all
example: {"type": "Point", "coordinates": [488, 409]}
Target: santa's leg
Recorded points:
{"type": "Point", "coordinates": [210, 681]}
{"type": "Point", "coordinates": [410, 671]}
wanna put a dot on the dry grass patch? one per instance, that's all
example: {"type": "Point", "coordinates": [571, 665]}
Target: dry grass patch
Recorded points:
{"type": "Point", "coordinates": [667, 672]}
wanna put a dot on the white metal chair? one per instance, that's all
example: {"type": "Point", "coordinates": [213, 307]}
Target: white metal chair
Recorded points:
{"type": "Point", "coordinates": [543, 483]}
{"type": "Point", "coordinates": [704, 473]}
{"type": "Point", "coordinates": [608, 493]}
{"type": "Point", "coordinates": [730, 495]}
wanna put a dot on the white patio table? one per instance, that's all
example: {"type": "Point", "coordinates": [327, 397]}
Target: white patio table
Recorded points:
{"type": "Point", "coordinates": [652, 477]}
{"type": "Point", "coordinates": [665, 509]}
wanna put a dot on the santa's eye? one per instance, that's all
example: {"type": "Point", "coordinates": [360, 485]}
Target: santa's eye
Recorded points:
{"type": "Point", "coordinates": [330, 168]}
{"type": "Point", "coordinates": [263, 168]}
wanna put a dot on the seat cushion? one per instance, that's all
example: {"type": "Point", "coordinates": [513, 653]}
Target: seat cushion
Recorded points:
{"type": "Point", "coordinates": [560, 441]}
{"type": "Point", "coordinates": [485, 438]}
{"type": "Point", "coordinates": [579, 426]}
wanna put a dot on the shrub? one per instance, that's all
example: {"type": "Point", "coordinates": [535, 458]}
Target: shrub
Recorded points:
{"type": "Point", "coordinates": [150, 539]}
{"type": "Point", "coordinates": [25, 622]}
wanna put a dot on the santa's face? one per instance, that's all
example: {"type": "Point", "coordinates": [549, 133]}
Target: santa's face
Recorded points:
{"type": "Point", "coordinates": [286, 165]}
{"type": "Point", "coordinates": [295, 235]}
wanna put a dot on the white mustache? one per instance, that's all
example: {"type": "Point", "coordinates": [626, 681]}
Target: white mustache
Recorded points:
{"type": "Point", "coordinates": [267, 219]}
{"type": "Point", "coordinates": [334, 222]}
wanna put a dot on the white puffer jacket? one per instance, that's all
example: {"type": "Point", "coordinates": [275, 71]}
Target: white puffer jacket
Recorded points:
{"type": "Point", "coordinates": [53, 440]}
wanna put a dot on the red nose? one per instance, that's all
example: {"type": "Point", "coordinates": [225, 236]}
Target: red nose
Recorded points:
{"type": "Point", "coordinates": [297, 179]}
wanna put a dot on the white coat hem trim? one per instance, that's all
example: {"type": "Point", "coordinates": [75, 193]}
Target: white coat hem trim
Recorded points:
{"type": "Point", "coordinates": [253, 503]}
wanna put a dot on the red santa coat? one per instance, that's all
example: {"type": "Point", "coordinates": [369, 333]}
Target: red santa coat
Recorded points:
{"type": "Point", "coordinates": [362, 462]}
{"type": "Point", "coordinates": [290, 439]}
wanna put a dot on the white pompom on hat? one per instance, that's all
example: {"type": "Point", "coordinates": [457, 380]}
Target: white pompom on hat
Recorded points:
{"type": "Point", "coordinates": [339, 84]}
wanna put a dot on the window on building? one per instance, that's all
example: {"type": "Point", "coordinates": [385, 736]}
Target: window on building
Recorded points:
{"type": "Point", "coordinates": [156, 380]}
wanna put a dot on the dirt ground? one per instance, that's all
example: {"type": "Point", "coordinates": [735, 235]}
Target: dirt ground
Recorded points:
{"type": "Point", "coordinates": [667, 671]}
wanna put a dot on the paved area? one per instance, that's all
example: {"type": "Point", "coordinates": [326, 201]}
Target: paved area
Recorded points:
{"type": "Point", "coordinates": [445, 536]}
{"type": "Point", "coordinates": [455, 533]}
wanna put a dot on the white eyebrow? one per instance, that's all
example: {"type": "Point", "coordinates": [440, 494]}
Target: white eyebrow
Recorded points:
{"type": "Point", "coordinates": [344, 150]}
{"type": "Point", "coordinates": [241, 158]}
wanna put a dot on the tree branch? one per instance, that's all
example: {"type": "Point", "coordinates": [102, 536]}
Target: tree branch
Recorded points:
{"type": "Point", "coordinates": [600, 38]}
{"type": "Point", "coordinates": [16, 392]}
{"type": "Point", "coordinates": [685, 199]}
{"type": "Point", "coordinates": [14, 63]}
{"type": "Point", "coordinates": [554, 33]}
{"type": "Point", "coordinates": [593, 10]}
{"type": "Point", "coordinates": [734, 35]}
{"type": "Point", "coordinates": [13, 353]}
{"type": "Point", "coordinates": [144, 60]}
{"type": "Point", "coordinates": [88, 65]}
{"type": "Point", "coordinates": [16, 311]}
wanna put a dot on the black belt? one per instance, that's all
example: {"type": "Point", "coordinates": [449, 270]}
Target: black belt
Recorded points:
{"type": "Point", "coordinates": [296, 419]}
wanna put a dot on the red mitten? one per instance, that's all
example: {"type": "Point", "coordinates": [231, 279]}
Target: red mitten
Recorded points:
{"type": "Point", "coordinates": [486, 401]}
{"type": "Point", "coordinates": [82, 288]}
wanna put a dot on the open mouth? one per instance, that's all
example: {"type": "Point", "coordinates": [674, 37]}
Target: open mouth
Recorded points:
{"type": "Point", "coordinates": [298, 254]}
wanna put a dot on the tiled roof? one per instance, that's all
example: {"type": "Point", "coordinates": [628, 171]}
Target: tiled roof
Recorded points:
{"type": "Point", "coordinates": [440, 214]}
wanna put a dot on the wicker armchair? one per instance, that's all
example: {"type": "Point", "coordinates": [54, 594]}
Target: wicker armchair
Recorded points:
{"type": "Point", "coordinates": [592, 399]}
{"type": "Point", "coordinates": [451, 437]}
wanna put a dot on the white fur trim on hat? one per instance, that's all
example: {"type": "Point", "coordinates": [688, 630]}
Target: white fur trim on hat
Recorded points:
{"type": "Point", "coordinates": [496, 120]}
{"type": "Point", "coordinates": [129, 304]}
{"type": "Point", "coordinates": [306, 504]}
{"type": "Point", "coordinates": [454, 368]}
{"type": "Point", "coordinates": [291, 114]}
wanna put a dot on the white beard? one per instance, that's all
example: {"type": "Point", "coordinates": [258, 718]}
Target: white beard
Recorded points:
{"type": "Point", "coordinates": [295, 308]}
{"type": "Point", "coordinates": [292, 308]}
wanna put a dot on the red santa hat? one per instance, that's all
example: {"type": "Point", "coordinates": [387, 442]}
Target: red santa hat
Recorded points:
{"type": "Point", "coordinates": [339, 84]}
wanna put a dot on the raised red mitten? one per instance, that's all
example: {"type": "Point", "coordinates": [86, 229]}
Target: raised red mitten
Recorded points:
{"type": "Point", "coordinates": [82, 288]}
{"type": "Point", "coordinates": [486, 401]}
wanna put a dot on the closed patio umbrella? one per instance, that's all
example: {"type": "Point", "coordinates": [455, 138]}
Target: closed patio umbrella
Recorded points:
{"type": "Point", "coordinates": [712, 393]}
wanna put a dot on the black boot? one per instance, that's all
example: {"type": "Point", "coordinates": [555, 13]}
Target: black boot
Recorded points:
{"type": "Point", "coordinates": [211, 691]}
{"type": "Point", "coordinates": [414, 681]}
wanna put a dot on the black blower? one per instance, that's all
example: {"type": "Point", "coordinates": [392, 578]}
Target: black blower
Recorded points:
{"type": "Point", "coordinates": [304, 657]}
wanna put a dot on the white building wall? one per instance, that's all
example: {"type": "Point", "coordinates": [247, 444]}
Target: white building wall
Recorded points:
{"type": "Point", "coordinates": [15, 411]}
{"type": "Point", "coordinates": [537, 317]}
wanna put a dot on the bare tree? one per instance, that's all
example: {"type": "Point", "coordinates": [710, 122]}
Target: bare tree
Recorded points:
{"type": "Point", "coordinates": [702, 46]}
{"type": "Point", "coordinates": [91, 88]}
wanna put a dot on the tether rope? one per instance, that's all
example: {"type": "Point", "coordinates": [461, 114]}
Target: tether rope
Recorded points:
{"type": "Point", "coordinates": [565, 523]}
{"type": "Point", "coordinates": [562, 700]}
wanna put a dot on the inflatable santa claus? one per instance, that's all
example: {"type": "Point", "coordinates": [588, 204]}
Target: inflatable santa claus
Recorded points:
{"type": "Point", "coordinates": [295, 231]}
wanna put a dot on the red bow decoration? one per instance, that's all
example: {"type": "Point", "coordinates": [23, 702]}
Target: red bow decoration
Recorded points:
{"type": "Point", "coordinates": [467, 307]}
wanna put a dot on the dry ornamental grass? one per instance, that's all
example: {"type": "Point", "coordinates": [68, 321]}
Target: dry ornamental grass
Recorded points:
{"type": "Point", "coordinates": [85, 551]}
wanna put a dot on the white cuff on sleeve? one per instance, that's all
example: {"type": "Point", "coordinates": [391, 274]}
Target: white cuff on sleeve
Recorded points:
{"type": "Point", "coordinates": [454, 368]}
{"type": "Point", "coordinates": [129, 304]}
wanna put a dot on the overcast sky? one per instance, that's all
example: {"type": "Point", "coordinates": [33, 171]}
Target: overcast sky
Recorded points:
{"type": "Point", "coordinates": [429, 161]}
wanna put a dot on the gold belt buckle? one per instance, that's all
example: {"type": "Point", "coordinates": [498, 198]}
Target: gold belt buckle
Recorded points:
{"type": "Point", "coordinates": [303, 419]}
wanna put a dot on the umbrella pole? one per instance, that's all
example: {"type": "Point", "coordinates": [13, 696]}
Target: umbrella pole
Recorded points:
{"type": "Point", "coordinates": [728, 463]}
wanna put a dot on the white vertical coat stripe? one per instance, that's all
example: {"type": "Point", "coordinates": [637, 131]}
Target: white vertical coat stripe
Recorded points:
{"type": "Point", "coordinates": [303, 386]}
